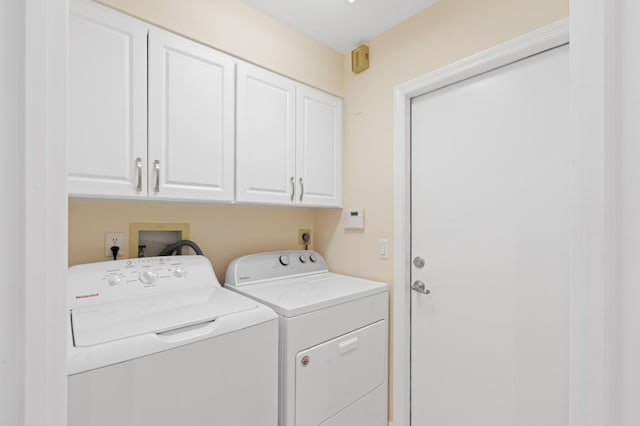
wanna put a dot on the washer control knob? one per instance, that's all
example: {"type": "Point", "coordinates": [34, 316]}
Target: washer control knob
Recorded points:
{"type": "Point", "coordinates": [303, 259]}
{"type": "Point", "coordinates": [114, 279]}
{"type": "Point", "coordinates": [313, 258]}
{"type": "Point", "coordinates": [148, 277]}
{"type": "Point", "coordinates": [284, 260]}
{"type": "Point", "coordinates": [178, 272]}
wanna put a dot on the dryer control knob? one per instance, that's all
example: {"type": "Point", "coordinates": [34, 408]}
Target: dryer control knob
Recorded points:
{"type": "Point", "coordinates": [313, 258]}
{"type": "Point", "coordinates": [284, 260]}
{"type": "Point", "coordinates": [114, 279]}
{"type": "Point", "coordinates": [147, 277]}
{"type": "Point", "coordinates": [178, 272]}
{"type": "Point", "coordinates": [303, 259]}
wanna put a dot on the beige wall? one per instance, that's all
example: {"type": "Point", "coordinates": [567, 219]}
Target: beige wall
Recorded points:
{"type": "Point", "coordinates": [442, 34]}
{"type": "Point", "coordinates": [242, 31]}
{"type": "Point", "coordinates": [222, 232]}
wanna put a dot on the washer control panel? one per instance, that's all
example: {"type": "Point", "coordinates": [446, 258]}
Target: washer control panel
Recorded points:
{"type": "Point", "coordinates": [265, 267]}
{"type": "Point", "coordinates": [126, 279]}
{"type": "Point", "coordinates": [147, 271]}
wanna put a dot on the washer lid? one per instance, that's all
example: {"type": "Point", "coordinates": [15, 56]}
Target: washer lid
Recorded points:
{"type": "Point", "coordinates": [92, 325]}
{"type": "Point", "coordinates": [301, 295]}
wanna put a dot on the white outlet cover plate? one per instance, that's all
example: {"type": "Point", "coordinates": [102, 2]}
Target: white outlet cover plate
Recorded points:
{"type": "Point", "coordinates": [111, 239]}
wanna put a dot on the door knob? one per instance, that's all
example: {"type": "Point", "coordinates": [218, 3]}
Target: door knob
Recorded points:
{"type": "Point", "coordinates": [420, 287]}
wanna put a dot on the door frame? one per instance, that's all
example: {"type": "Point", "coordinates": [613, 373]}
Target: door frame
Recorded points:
{"type": "Point", "coordinates": [529, 44]}
{"type": "Point", "coordinates": [41, 312]}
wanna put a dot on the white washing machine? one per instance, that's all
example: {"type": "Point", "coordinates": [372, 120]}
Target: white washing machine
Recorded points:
{"type": "Point", "coordinates": [333, 337]}
{"type": "Point", "coordinates": [157, 341]}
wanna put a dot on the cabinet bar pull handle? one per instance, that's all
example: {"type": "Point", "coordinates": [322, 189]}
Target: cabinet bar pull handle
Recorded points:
{"type": "Point", "coordinates": [301, 189]}
{"type": "Point", "coordinates": [293, 189]}
{"type": "Point", "coordinates": [156, 165]}
{"type": "Point", "coordinates": [139, 171]}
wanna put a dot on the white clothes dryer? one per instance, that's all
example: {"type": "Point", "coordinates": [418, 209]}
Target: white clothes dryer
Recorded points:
{"type": "Point", "coordinates": [333, 337]}
{"type": "Point", "coordinates": [157, 341]}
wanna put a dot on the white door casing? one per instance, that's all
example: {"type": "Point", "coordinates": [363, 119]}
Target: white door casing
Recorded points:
{"type": "Point", "coordinates": [597, 30]}
{"type": "Point", "coordinates": [39, 267]}
{"type": "Point", "coordinates": [529, 44]}
{"type": "Point", "coordinates": [491, 217]}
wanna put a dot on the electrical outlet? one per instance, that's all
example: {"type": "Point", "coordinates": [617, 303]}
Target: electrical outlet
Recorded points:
{"type": "Point", "coordinates": [113, 239]}
{"type": "Point", "coordinates": [301, 232]}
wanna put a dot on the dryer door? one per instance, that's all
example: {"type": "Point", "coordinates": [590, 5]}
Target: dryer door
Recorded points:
{"type": "Point", "coordinates": [337, 373]}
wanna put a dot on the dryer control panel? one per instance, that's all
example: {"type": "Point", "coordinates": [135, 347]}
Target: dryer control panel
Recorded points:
{"type": "Point", "coordinates": [264, 267]}
{"type": "Point", "coordinates": [126, 279]}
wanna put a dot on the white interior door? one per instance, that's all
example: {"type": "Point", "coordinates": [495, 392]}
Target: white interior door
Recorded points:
{"type": "Point", "coordinates": [491, 216]}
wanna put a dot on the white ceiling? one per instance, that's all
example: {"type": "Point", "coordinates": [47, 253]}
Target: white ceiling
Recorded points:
{"type": "Point", "coordinates": [339, 24]}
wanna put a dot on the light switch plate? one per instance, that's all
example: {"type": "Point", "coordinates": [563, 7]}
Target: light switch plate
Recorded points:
{"type": "Point", "coordinates": [383, 249]}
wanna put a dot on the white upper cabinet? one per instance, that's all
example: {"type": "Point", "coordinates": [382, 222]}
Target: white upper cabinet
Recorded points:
{"type": "Point", "coordinates": [189, 112]}
{"type": "Point", "coordinates": [191, 120]}
{"type": "Point", "coordinates": [156, 116]}
{"type": "Point", "coordinates": [289, 141]}
{"type": "Point", "coordinates": [107, 105]}
{"type": "Point", "coordinates": [319, 148]}
{"type": "Point", "coordinates": [265, 145]}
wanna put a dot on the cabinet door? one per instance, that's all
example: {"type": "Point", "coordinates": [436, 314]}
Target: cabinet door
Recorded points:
{"type": "Point", "coordinates": [318, 148]}
{"type": "Point", "coordinates": [107, 105]}
{"type": "Point", "coordinates": [265, 161]}
{"type": "Point", "coordinates": [191, 120]}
